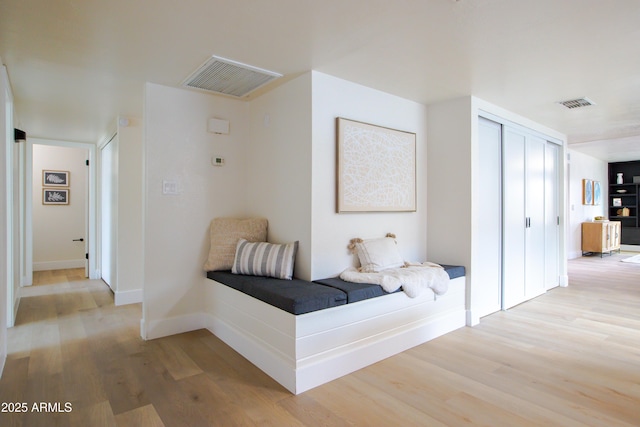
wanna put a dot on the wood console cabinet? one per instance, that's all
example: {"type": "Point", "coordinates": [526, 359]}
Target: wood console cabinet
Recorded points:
{"type": "Point", "coordinates": [600, 237]}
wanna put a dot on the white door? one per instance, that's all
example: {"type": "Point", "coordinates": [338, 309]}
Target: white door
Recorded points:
{"type": "Point", "coordinates": [535, 213]}
{"type": "Point", "coordinates": [514, 217]}
{"type": "Point", "coordinates": [552, 216]}
{"type": "Point", "coordinates": [486, 294]}
{"type": "Point", "coordinates": [108, 211]}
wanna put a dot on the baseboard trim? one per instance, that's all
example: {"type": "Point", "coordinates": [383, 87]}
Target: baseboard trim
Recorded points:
{"type": "Point", "coordinates": [173, 325]}
{"type": "Point", "coordinates": [3, 360]}
{"type": "Point", "coordinates": [128, 297]}
{"type": "Point", "coordinates": [58, 265]}
{"type": "Point", "coordinates": [574, 255]}
{"type": "Point", "coordinates": [471, 319]}
{"type": "Point", "coordinates": [564, 281]}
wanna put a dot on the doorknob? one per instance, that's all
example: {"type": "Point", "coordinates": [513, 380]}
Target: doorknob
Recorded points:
{"type": "Point", "coordinates": [78, 240]}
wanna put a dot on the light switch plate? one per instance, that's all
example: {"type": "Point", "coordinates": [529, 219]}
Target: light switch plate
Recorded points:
{"type": "Point", "coordinates": [169, 187]}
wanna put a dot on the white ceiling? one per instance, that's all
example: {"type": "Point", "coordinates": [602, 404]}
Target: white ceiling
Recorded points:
{"type": "Point", "coordinates": [75, 65]}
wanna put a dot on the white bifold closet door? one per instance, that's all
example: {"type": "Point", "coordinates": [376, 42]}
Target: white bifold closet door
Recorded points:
{"type": "Point", "coordinates": [486, 293]}
{"type": "Point", "coordinates": [523, 216]}
{"type": "Point", "coordinates": [552, 215]}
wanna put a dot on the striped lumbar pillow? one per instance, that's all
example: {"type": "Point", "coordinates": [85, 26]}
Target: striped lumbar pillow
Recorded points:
{"type": "Point", "coordinates": [265, 259]}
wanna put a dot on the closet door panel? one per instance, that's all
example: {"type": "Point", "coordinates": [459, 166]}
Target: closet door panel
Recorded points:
{"type": "Point", "coordinates": [514, 218]}
{"type": "Point", "coordinates": [552, 226]}
{"type": "Point", "coordinates": [486, 294]}
{"type": "Point", "coordinates": [535, 217]}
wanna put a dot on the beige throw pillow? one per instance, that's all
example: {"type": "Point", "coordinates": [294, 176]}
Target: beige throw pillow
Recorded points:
{"type": "Point", "coordinates": [378, 254]}
{"type": "Point", "coordinates": [225, 234]}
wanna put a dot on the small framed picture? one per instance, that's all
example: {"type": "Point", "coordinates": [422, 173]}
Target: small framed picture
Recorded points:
{"type": "Point", "coordinates": [617, 201]}
{"type": "Point", "coordinates": [55, 196]}
{"type": "Point", "coordinates": [55, 178]}
{"type": "Point", "coordinates": [587, 192]}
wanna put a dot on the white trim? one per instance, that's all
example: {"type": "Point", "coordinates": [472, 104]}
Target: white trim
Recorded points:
{"type": "Point", "coordinates": [473, 319]}
{"type": "Point", "coordinates": [630, 248]}
{"type": "Point", "coordinates": [172, 326]}
{"type": "Point", "coordinates": [574, 255]}
{"type": "Point", "coordinates": [128, 297]}
{"type": "Point", "coordinates": [58, 265]}
{"type": "Point", "coordinates": [16, 306]}
{"type": "Point", "coordinates": [92, 243]}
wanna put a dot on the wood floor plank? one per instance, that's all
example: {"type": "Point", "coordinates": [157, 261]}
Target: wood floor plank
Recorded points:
{"type": "Point", "coordinates": [144, 416]}
{"type": "Point", "coordinates": [175, 360]}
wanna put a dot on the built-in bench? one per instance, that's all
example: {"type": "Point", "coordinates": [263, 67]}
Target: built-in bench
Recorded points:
{"type": "Point", "coordinates": [304, 334]}
{"type": "Point", "coordinates": [300, 296]}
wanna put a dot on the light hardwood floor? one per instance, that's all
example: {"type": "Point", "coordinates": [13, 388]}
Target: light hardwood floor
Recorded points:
{"type": "Point", "coordinates": [568, 358]}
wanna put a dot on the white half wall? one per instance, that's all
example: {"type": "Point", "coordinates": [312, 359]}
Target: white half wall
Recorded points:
{"type": "Point", "coordinates": [583, 166]}
{"type": "Point", "coordinates": [177, 152]}
{"type": "Point", "coordinates": [330, 231]}
{"type": "Point", "coordinates": [56, 226]}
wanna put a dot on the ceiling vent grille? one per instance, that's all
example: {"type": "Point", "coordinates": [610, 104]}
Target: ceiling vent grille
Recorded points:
{"type": "Point", "coordinates": [228, 77]}
{"type": "Point", "coordinates": [577, 103]}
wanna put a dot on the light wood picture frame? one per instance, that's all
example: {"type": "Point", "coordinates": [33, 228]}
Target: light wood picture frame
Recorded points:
{"type": "Point", "coordinates": [53, 178]}
{"type": "Point", "coordinates": [55, 196]}
{"type": "Point", "coordinates": [376, 168]}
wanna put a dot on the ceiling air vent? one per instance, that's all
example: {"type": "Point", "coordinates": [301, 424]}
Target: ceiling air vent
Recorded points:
{"type": "Point", "coordinates": [577, 103]}
{"type": "Point", "coordinates": [228, 77]}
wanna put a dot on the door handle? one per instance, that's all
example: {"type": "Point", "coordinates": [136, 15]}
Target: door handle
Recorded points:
{"type": "Point", "coordinates": [78, 240]}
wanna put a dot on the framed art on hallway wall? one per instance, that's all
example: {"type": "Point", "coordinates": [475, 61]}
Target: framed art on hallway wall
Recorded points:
{"type": "Point", "coordinates": [51, 178]}
{"type": "Point", "coordinates": [55, 196]}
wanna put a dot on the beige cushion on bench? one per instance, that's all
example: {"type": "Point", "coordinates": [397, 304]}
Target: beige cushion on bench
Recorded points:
{"type": "Point", "coordinates": [225, 233]}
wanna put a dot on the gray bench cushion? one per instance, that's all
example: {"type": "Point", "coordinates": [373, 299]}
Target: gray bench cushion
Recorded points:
{"type": "Point", "coordinates": [300, 296]}
{"type": "Point", "coordinates": [295, 296]}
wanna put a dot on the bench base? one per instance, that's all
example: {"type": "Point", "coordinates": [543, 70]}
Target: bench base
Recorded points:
{"type": "Point", "coordinates": [304, 351]}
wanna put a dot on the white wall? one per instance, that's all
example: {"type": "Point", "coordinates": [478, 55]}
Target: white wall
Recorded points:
{"type": "Point", "coordinates": [55, 226]}
{"type": "Point", "coordinates": [278, 166]}
{"type": "Point", "coordinates": [130, 265]}
{"type": "Point", "coordinates": [331, 232]}
{"type": "Point", "coordinates": [583, 166]}
{"type": "Point", "coordinates": [178, 148]}
{"type": "Point", "coordinates": [6, 138]}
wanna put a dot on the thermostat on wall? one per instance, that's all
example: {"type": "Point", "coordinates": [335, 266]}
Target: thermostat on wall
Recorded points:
{"type": "Point", "coordinates": [217, 161]}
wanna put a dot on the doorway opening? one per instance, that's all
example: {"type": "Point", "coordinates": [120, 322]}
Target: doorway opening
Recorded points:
{"type": "Point", "coordinates": [61, 214]}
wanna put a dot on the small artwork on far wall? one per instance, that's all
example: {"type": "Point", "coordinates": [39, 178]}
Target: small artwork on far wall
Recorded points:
{"type": "Point", "coordinates": [587, 192]}
{"type": "Point", "coordinates": [597, 193]}
{"type": "Point", "coordinates": [55, 178]}
{"type": "Point", "coordinates": [55, 196]}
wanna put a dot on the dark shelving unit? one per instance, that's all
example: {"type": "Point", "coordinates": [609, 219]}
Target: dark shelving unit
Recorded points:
{"type": "Point", "coordinates": [627, 195]}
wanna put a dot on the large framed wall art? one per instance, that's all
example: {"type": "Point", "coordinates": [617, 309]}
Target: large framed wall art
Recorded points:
{"type": "Point", "coordinates": [376, 170]}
